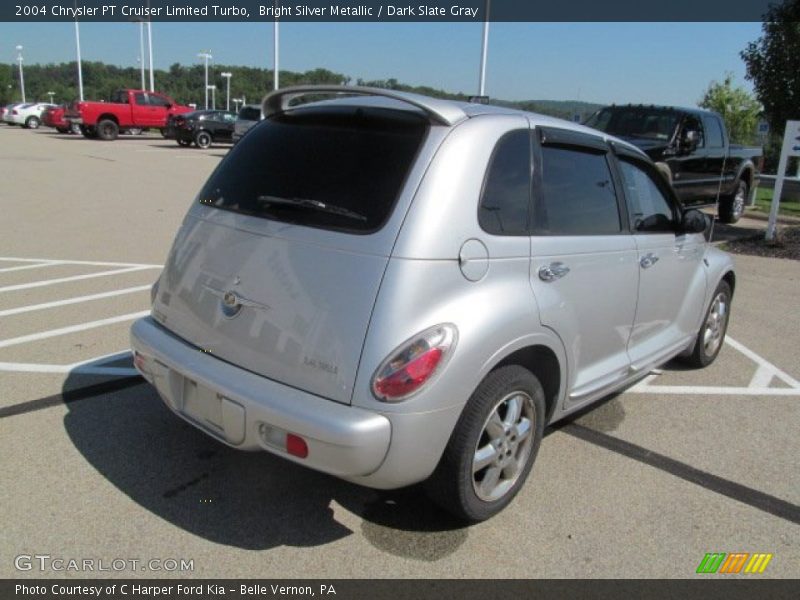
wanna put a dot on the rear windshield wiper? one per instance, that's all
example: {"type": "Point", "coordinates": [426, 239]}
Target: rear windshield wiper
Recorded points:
{"type": "Point", "coordinates": [311, 205]}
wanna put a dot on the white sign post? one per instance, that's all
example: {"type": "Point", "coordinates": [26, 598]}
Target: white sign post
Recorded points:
{"type": "Point", "coordinates": [791, 147]}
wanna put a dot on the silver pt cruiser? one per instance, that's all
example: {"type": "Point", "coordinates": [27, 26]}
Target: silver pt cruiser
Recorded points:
{"type": "Point", "coordinates": [392, 289]}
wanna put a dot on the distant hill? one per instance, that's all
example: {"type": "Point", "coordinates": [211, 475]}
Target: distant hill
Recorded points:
{"type": "Point", "coordinates": [563, 109]}
{"type": "Point", "coordinates": [185, 84]}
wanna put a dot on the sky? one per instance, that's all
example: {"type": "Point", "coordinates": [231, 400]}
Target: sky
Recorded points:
{"type": "Point", "coordinates": [659, 63]}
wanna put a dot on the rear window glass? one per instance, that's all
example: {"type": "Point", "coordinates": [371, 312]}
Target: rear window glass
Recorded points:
{"type": "Point", "coordinates": [250, 113]}
{"type": "Point", "coordinates": [336, 169]}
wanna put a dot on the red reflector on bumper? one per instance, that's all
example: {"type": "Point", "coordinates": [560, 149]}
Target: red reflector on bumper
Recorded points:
{"type": "Point", "coordinates": [296, 446]}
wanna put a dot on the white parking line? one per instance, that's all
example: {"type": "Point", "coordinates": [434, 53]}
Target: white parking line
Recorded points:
{"type": "Point", "coordinates": [77, 262]}
{"type": "Point", "coordinates": [759, 384]}
{"type": "Point", "coordinates": [76, 300]}
{"type": "Point", "coordinates": [26, 267]}
{"type": "Point", "coordinates": [35, 284]}
{"type": "Point", "coordinates": [33, 337]}
{"type": "Point", "coordinates": [93, 366]}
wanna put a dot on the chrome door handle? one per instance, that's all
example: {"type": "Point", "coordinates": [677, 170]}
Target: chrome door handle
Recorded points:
{"type": "Point", "coordinates": [648, 260]}
{"type": "Point", "coordinates": [553, 271]}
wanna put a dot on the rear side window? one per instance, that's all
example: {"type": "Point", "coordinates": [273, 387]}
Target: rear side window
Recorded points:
{"type": "Point", "coordinates": [334, 168]}
{"type": "Point", "coordinates": [505, 200]}
{"type": "Point", "coordinates": [577, 194]}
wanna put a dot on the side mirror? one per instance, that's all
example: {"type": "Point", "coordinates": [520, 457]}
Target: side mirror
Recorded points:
{"type": "Point", "coordinates": [694, 221]}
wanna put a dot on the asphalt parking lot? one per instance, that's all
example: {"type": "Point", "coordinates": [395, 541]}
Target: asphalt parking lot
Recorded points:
{"type": "Point", "coordinates": [93, 466]}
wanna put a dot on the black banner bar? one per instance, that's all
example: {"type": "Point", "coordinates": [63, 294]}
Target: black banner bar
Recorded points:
{"type": "Point", "coordinates": [385, 11]}
{"type": "Point", "coordinates": [708, 587]}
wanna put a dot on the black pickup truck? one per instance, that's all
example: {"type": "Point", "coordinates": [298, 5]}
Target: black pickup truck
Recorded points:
{"type": "Point", "coordinates": [692, 150]}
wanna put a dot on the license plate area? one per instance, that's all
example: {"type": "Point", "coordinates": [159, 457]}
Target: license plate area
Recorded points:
{"type": "Point", "coordinates": [202, 404]}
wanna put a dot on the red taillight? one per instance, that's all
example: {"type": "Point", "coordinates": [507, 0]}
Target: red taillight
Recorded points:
{"type": "Point", "coordinates": [296, 446]}
{"type": "Point", "coordinates": [414, 374]}
{"type": "Point", "coordinates": [413, 364]}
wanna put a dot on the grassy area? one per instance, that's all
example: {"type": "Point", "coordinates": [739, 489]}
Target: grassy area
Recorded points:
{"type": "Point", "coordinates": [789, 208]}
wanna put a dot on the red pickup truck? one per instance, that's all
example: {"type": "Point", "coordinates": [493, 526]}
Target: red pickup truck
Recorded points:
{"type": "Point", "coordinates": [126, 109]}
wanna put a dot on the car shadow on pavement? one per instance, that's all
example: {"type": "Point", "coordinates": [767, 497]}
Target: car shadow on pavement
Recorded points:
{"type": "Point", "coordinates": [725, 233]}
{"type": "Point", "coordinates": [254, 501]}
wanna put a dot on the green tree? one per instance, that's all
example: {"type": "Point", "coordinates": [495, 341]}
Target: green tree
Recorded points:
{"type": "Point", "coordinates": [773, 64]}
{"type": "Point", "coordinates": [738, 107]}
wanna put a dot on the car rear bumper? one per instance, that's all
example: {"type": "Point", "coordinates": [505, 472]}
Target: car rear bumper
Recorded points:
{"type": "Point", "coordinates": [250, 412]}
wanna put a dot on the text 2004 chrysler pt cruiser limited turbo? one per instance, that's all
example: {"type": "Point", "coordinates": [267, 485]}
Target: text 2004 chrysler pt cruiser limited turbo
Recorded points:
{"type": "Point", "coordinates": [393, 289]}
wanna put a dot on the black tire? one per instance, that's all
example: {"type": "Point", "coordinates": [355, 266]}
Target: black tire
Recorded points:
{"type": "Point", "coordinates": [731, 208]}
{"type": "Point", "coordinates": [107, 130]}
{"type": "Point", "coordinates": [458, 478]}
{"type": "Point", "coordinates": [182, 142]}
{"type": "Point", "coordinates": [202, 139]}
{"type": "Point", "coordinates": [704, 351]}
{"type": "Point", "coordinates": [33, 122]}
{"type": "Point", "coordinates": [88, 132]}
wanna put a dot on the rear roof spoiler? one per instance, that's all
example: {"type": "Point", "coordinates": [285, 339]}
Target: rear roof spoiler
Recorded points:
{"type": "Point", "coordinates": [443, 112]}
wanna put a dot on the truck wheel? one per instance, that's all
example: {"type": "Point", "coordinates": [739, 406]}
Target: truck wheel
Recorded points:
{"type": "Point", "coordinates": [731, 208]}
{"type": "Point", "coordinates": [493, 446]}
{"type": "Point", "coordinates": [107, 130]}
{"type": "Point", "coordinates": [712, 334]}
{"type": "Point", "coordinates": [88, 132]}
{"type": "Point", "coordinates": [32, 123]}
{"type": "Point", "coordinates": [202, 139]}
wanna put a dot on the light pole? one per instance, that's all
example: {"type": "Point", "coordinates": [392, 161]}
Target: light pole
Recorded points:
{"type": "Point", "coordinates": [206, 56]}
{"type": "Point", "coordinates": [213, 89]}
{"type": "Point", "coordinates": [78, 52]}
{"type": "Point", "coordinates": [484, 50]}
{"type": "Point", "coordinates": [227, 76]}
{"type": "Point", "coordinates": [21, 74]}
{"type": "Point", "coordinates": [236, 102]}
{"type": "Point", "coordinates": [141, 51]}
{"type": "Point", "coordinates": [275, 39]}
{"type": "Point", "coordinates": [51, 94]}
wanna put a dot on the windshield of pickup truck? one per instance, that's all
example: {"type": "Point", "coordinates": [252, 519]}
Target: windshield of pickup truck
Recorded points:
{"type": "Point", "coordinates": [635, 122]}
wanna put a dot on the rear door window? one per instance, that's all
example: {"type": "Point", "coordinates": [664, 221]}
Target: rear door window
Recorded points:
{"type": "Point", "coordinates": [648, 204]}
{"type": "Point", "coordinates": [335, 168]}
{"type": "Point", "coordinates": [713, 131]}
{"type": "Point", "coordinates": [577, 194]}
